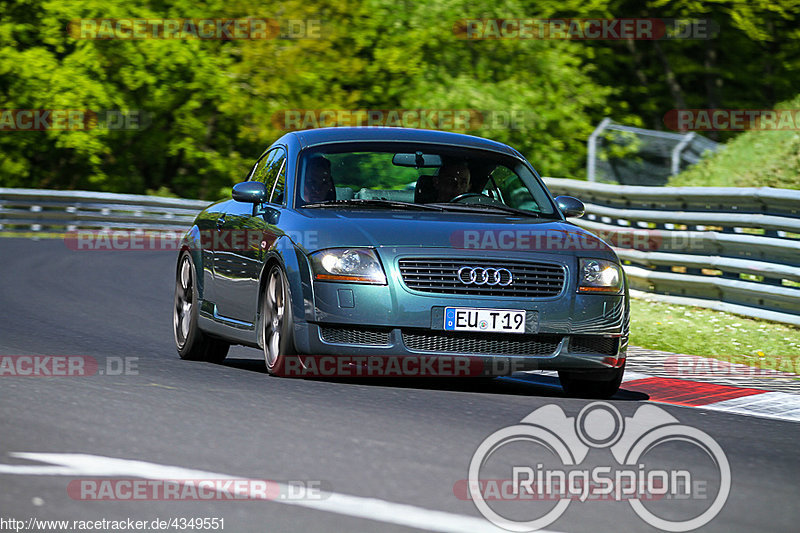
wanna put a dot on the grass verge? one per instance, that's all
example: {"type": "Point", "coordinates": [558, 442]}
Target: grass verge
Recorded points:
{"type": "Point", "coordinates": [709, 333]}
{"type": "Point", "coordinates": [755, 158]}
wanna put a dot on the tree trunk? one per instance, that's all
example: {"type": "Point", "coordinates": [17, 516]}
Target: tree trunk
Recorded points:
{"type": "Point", "coordinates": [672, 82]}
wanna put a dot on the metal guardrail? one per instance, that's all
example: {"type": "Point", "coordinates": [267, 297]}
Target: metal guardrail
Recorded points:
{"type": "Point", "coordinates": [736, 249]}
{"type": "Point", "coordinates": [33, 210]}
{"type": "Point", "coordinates": [703, 246]}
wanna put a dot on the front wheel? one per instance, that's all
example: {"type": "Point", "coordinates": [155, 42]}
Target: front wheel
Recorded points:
{"type": "Point", "coordinates": [599, 385]}
{"type": "Point", "coordinates": [191, 342]}
{"type": "Point", "coordinates": [276, 323]}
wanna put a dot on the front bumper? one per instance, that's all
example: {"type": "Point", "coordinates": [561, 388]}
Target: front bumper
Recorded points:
{"type": "Point", "coordinates": [549, 352]}
{"type": "Point", "coordinates": [566, 331]}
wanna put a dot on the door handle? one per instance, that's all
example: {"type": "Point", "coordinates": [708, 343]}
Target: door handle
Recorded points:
{"type": "Point", "coordinates": [221, 221]}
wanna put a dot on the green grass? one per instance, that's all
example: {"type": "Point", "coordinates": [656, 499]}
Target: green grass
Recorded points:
{"type": "Point", "coordinates": [753, 159]}
{"type": "Point", "coordinates": [704, 332]}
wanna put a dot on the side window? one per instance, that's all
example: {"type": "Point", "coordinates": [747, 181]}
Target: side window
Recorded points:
{"type": "Point", "coordinates": [270, 171]}
{"type": "Point", "coordinates": [252, 171]}
{"type": "Point", "coordinates": [513, 191]}
{"type": "Point", "coordinates": [278, 196]}
{"type": "Point", "coordinates": [259, 172]}
{"type": "Point", "coordinates": [276, 175]}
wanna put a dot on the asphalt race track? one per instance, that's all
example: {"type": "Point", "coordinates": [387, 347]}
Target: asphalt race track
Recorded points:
{"type": "Point", "coordinates": [386, 453]}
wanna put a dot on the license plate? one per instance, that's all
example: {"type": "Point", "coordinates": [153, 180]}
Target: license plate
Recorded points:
{"type": "Point", "coordinates": [489, 320]}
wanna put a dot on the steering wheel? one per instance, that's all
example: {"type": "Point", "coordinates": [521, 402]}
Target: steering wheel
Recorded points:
{"type": "Point", "coordinates": [467, 195]}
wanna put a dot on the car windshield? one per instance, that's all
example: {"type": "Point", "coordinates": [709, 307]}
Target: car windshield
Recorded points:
{"type": "Point", "coordinates": [386, 177]}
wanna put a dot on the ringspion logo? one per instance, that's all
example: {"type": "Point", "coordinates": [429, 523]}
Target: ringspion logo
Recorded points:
{"type": "Point", "coordinates": [547, 450]}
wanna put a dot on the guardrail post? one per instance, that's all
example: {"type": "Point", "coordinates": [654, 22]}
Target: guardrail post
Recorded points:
{"type": "Point", "coordinates": [36, 209]}
{"type": "Point", "coordinates": [591, 155]}
{"type": "Point", "coordinates": [676, 153]}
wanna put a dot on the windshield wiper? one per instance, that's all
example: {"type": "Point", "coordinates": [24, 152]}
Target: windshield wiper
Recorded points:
{"type": "Point", "coordinates": [503, 208]}
{"type": "Point", "coordinates": [376, 203]}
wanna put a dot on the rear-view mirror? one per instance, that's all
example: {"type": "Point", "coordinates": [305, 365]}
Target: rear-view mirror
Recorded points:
{"type": "Point", "coordinates": [417, 160]}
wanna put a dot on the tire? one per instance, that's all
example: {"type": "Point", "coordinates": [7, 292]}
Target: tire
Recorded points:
{"type": "Point", "coordinates": [191, 342]}
{"type": "Point", "coordinates": [596, 385]}
{"type": "Point", "coordinates": [276, 324]}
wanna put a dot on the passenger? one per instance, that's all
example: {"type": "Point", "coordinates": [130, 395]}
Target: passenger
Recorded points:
{"type": "Point", "coordinates": [453, 180]}
{"type": "Point", "coordinates": [317, 183]}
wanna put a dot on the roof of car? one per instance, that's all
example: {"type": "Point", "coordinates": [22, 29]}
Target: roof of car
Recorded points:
{"type": "Point", "coordinates": [378, 134]}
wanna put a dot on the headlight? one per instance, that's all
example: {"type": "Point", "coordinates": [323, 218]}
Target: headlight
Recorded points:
{"type": "Point", "coordinates": [597, 275]}
{"type": "Point", "coordinates": [354, 265]}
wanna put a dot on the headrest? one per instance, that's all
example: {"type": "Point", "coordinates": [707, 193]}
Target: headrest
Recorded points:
{"type": "Point", "coordinates": [425, 191]}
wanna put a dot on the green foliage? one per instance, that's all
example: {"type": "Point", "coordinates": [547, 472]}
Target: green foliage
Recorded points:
{"type": "Point", "coordinates": [369, 169]}
{"type": "Point", "coordinates": [752, 61]}
{"type": "Point", "coordinates": [208, 107]}
{"type": "Point", "coordinates": [754, 159]}
{"type": "Point", "coordinates": [179, 87]}
{"type": "Point", "coordinates": [162, 191]}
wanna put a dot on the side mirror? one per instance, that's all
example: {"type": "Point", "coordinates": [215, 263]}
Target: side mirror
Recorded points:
{"type": "Point", "coordinates": [570, 206]}
{"type": "Point", "coordinates": [251, 192]}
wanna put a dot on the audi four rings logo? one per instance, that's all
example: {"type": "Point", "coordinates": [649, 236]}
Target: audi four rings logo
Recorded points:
{"type": "Point", "coordinates": [485, 276]}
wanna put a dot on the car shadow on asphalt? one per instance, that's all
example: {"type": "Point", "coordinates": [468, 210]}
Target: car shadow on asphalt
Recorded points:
{"type": "Point", "coordinates": [520, 383]}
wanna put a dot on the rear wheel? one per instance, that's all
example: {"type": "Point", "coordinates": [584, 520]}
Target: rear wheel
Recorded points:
{"type": "Point", "coordinates": [191, 342]}
{"type": "Point", "coordinates": [276, 323]}
{"type": "Point", "coordinates": [601, 384]}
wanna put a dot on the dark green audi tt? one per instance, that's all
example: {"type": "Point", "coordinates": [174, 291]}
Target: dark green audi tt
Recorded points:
{"type": "Point", "coordinates": [347, 246]}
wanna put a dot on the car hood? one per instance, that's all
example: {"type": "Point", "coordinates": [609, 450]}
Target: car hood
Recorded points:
{"type": "Point", "coordinates": [429, 229]}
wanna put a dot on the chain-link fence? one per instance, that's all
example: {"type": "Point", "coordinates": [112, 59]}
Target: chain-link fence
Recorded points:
{"type": "Point", "coordinates": [636, 156]}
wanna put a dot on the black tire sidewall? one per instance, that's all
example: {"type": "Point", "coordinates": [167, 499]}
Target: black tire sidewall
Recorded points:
{"type": "Point", "coordinates": [197, 346]}
{"type": "Point", "coordinates": [190, 343]}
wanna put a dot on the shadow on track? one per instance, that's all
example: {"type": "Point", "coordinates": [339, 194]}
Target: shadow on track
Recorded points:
{"type": "Point", "coordinates": [520, 383]}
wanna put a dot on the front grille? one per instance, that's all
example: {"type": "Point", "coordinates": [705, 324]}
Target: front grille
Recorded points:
{"type": "Point", "coordinates": [481, 343]}
{"type": "Point", "coordinates": [593, 344]}
{"type": "Point", "coordinates": [530, 279]}
{"type": "Point", "coordinates": [374, 337]}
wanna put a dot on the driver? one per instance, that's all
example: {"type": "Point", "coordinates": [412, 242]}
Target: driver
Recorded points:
{"type": "Point", "coordinates": [317, 182]}
{"type": "Point", "coordinates": [453, 180]}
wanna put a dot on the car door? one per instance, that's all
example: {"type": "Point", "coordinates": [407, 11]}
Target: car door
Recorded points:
{"type": "Point", "coordinates": [209, 225]}
{"type": "Point", "coordinates": [248, 232]}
